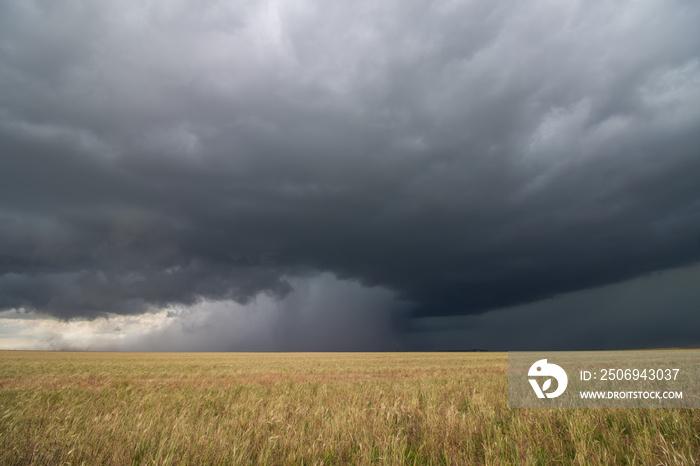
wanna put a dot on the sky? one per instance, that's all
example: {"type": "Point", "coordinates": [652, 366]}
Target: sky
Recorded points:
{"type": "Point", "coordinates": [349, 176]}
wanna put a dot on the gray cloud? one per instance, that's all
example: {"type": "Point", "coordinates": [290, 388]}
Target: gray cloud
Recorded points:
{"type": "Point", "coordinates": [658, 311]}
{"type": "Point", "coordinates": [466, 156]}
{"type": "Point", "coordinates": [322, 313]}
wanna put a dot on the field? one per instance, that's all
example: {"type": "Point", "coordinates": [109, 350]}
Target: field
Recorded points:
{"type": "Point", "coordinates": [308, 408]}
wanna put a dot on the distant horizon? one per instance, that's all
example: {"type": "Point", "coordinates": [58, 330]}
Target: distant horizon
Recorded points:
{"type": "Point", "coordinates": [694, 348]}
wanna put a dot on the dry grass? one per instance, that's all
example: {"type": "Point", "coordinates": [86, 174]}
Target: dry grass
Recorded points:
{"type": "Point", "coordinates": [318, 408]}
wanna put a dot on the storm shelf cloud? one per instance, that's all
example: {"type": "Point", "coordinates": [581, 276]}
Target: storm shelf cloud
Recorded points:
{"type": "Point", "coordinates": [423, 160]}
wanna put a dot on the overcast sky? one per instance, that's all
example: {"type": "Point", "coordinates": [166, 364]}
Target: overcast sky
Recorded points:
{"type": "Point", "coordinates": [379, 175]}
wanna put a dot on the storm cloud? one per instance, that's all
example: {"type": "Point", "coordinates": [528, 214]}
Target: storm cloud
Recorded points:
{"type": "Point", "coordinates": [464, 156]}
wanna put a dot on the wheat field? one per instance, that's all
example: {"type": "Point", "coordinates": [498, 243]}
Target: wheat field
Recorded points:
{"type": "Point", "coordinates": [308, 408]}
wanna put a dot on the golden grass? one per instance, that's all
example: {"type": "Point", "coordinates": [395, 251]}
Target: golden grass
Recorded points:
{"type": "Point", "coordinates": [308, 408]}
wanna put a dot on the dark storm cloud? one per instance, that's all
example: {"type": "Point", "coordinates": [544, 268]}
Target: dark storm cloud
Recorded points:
{"type": "Point", "coordinates": [658, 311]}
{"type": "Point", "coordinates": [466, 156]}
{"type": "Point", "coordinates": [321, 314]}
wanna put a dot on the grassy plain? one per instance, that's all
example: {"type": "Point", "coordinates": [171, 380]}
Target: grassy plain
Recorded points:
{"type": "Point", "coordinates": [308, 408]}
